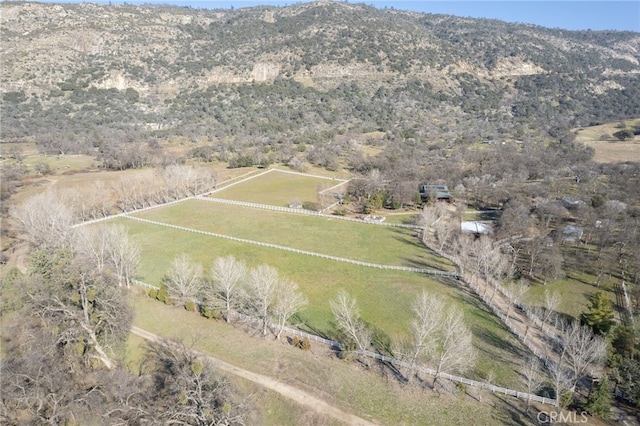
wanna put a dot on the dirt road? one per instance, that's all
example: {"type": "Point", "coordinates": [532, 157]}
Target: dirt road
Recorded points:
{"type": "Point", "coordinates": [288, 391]}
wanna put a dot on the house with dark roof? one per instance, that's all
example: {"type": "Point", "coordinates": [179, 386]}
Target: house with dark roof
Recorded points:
{"type": "Point", "coordinates": [435, 193]}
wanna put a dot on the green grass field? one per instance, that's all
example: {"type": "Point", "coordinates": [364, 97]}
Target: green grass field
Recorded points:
{"type": "Point", "coordinates": [330, 236]}
{"type": "Point", "coordinates": [319, 279]}
{"type": "Point", "coordinates": [384, 296]}
{"type": "Point", "coordinates": [278, 189]}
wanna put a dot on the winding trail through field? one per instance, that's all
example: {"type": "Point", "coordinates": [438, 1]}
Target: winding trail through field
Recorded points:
{"type": "Point", "coordinates": [301, 397]}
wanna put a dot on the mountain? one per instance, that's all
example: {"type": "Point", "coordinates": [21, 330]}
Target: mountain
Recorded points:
{"type": "Point", "coordinates": [77, 75]}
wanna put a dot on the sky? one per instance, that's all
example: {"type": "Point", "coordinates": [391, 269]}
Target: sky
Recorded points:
{"type": "Point", "coordinates": [621, 15]}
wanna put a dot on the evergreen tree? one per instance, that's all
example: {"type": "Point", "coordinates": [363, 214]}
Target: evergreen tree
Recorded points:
{"type": "Point", "coordinates": [599, 315]}
{"type": "Point", "coordinates": [599, 401]}
{"type": "Point", "coordinates": [627, 376]}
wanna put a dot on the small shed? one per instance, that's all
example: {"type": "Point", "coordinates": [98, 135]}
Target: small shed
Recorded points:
{"type": "Point", "coordinates": [572, 202]}
{"type": "Point", "coordinates": [572, 234]}
{"type": "Point", "coordinates": [473, 227]}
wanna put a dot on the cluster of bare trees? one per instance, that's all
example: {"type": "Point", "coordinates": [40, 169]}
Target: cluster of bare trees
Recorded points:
{"type": "Point", "coordinates": [157, 186]}
{"type": "Point", "coordinates": [46, 223]}
{"type": "Point", "coordinates": [109, 250]}
{"type": "Point", "coordinates": [231, 287]}
{"type": "Point", "coordinates": [576, 352]}
{"type": "Point", "coordinates": [438, 334]}
{"type": "Point", "coordinates": [580, 355]}
{"type": "Point", "coordinates": [142, 189]}
{"type": "Point", "coordinates": [64, 359]}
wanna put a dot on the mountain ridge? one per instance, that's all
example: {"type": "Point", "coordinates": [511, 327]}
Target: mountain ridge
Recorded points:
{"type": "Point", "coordinates": [156, 68]}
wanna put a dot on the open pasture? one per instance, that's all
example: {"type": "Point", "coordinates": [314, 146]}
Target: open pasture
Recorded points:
{"type": "Point", "coordinates": [608, 149]}
{"type": "Point", "coordinates": [278, 188]}
{"type": "Point", "coordinates": [372, 396]}
{"type": "Point", "coordinates": [384, 297]}
{"type": "Point", "coordinates": [331, 236]}
{"type": "Point", "coordinates": [319, 279]}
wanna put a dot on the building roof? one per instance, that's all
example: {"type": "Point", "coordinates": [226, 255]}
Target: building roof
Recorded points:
{"type": "Point", "coordinates": [474, 227]}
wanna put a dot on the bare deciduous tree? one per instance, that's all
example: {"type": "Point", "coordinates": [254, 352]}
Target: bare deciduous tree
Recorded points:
{"type": "Point", "coordinates": [184, 279]}
{"type": "Point", "coordinates": [289, 301]}
{"type": "Point", "coordinates": [262, 288]}
{"type": "Point", "coordinates": [44, 220]}
{"type": "Point", "coordinates": [515, 293]}
{"type": "Point", "coordinates": [533, 377]}
{"type": "Point", "coordinates": [548, 313]}
{"type": "Point", "coordinates": [581, 352]}
{"type": "Point", "coordinates": [124, 254]}
{"type": "Point", "coordinates": [479, 258]}
{"type": "Point", "coordinates": [428, 316]}
{"type": "Point", "coordinates": [561, 381]}
{"type": "Point", "coordinates": [454, 350]}
{"type": "Point", "coordinates": [228, 275]}
{"type": "Point", "coordinates": [91, 245]}
{"type": "Point", "coordinates": [347, 317]}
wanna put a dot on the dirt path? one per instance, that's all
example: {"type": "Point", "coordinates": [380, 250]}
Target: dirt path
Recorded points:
{"type": "Point", "coordinates": [288, 391]}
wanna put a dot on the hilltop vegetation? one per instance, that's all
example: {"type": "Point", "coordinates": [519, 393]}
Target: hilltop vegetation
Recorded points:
{"type": "Point", "coordinates": [86, 76]}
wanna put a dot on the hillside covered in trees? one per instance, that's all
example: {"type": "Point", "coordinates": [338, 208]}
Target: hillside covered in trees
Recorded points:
{"type": "Point", "coordinates": [82, 76]}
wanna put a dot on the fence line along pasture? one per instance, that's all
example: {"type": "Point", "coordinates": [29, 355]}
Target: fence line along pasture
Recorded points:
{"type": "Point", "coordinates": [396, 362]}
{"type": "Point", "coordinates": [238, 182]}
{"type": "Point", "coordinates": [344, 182]}
{"type": "Point", "coordinates": [140, 210]}
{"type": "Point", "coordinates": [301, 211]}
{"type": "Point", "coordinates": [510, 325]}
{"type": "Point", "coordinates": [297, 251]}
{"type": "Point", "coordinates": [291, 172]}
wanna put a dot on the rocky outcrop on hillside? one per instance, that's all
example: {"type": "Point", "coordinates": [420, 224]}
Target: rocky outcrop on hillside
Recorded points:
{"type": "Point", "coordinates": [332, 64]}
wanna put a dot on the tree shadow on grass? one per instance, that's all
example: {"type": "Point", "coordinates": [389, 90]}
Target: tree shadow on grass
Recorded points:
{"type": "Point", "coordinates": [511, 413]}
{"type": "Point", "coordinates": [495, 341]}
{"type": "Point", "coordinates": [412, 241]}
{"type": "Point", "coordinates": [423, 264]}
{"type": "Point", "coordinates": [484, 333]}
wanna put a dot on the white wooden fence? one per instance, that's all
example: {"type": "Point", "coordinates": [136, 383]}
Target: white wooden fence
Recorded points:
{"type": "Point", "coordinates": [508, 322]}
{"type": "Point", "coordinates": [297, 251]}
{"type": "Point", "coordinates": [396, 362]}
{"type": "Point", "coordinates": [303, 212]}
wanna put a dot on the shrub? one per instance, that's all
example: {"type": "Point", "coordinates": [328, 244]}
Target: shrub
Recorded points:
{"type": "Point", "coordinates": [191, 306]}
{"type": "Point", "coordinates": [42, 168]}
{"type": "Point", "coordinates": [566, 398]}
{"type": "Point", "coordinates": [303, 344]}
{"type": "Point", "coordinates": [153, 293]}
{"type": "Point", "coordinates": [309, 205]}
{"type": "Point", "coordinates": [347, 350]}
{"type": "Point", "coordinates": [210, 312]}
{"type": "Point", "coordinates": [162, 294]}
{"type": "Point", "coordinates": [624, 134]}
